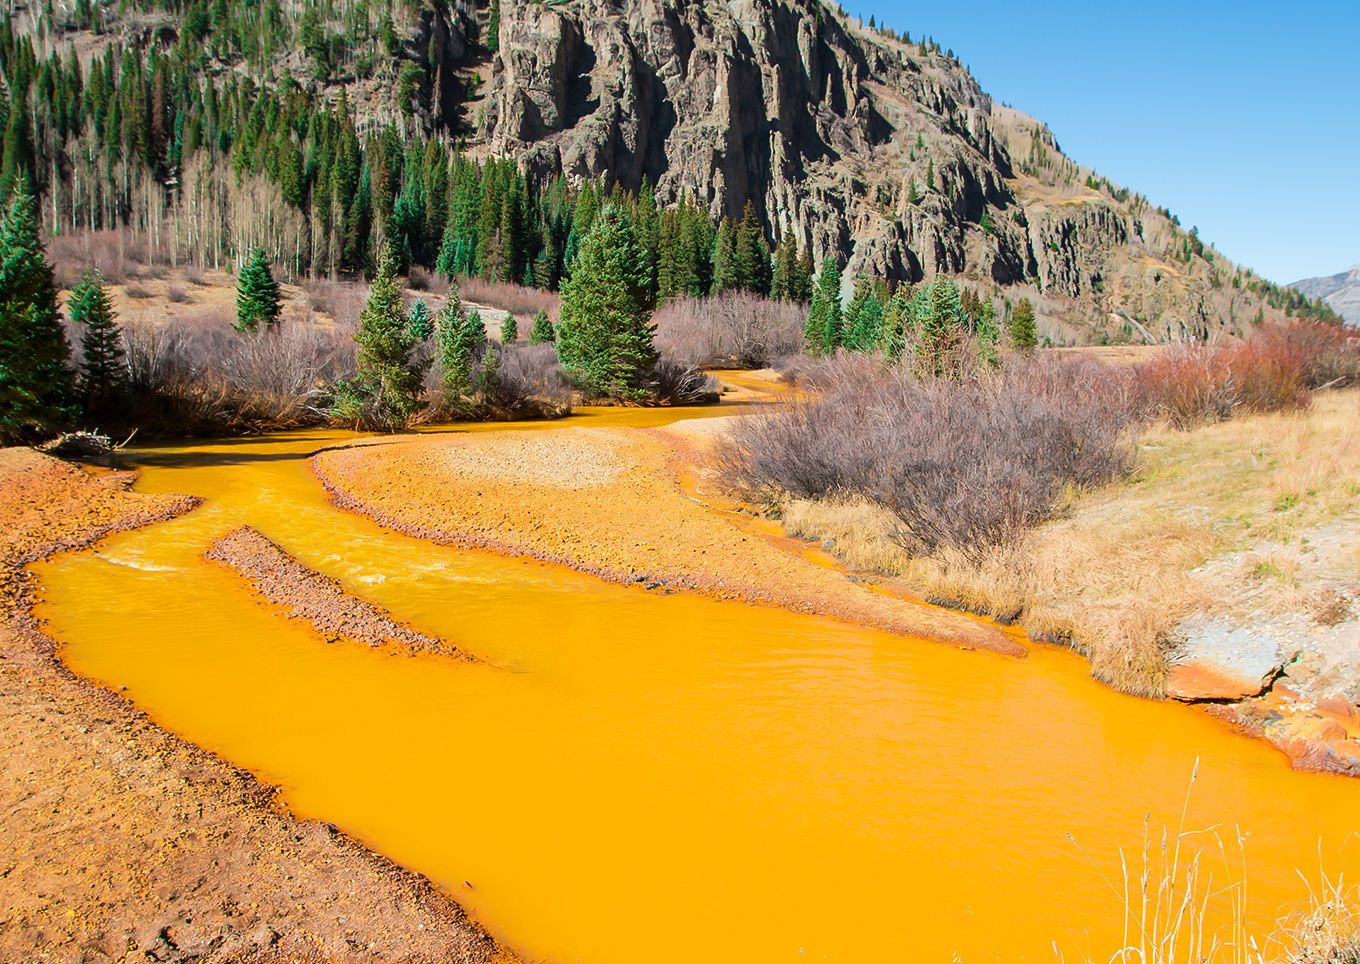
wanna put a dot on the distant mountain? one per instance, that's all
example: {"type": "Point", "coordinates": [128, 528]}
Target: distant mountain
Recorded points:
{"type": "Point", "coordinates": [1341, 291]}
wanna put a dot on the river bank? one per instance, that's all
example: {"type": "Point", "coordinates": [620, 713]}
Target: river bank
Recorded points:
{"type": "Point", "coordinates": [624, 774]}
{"type": "Point", "coordinates": [607, 502]}
{"type": "Point", "coordinates": [123, 841]}
{"type": "Point", "coordinates": [1225, 570]}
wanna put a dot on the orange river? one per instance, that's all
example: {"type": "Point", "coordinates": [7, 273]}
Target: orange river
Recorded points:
{"type": "Point", "coordinates": [631, 776]}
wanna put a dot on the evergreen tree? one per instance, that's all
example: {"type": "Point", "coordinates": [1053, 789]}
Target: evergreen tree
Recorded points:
{"type": "Point", "coordinates": [800, 277]}
{"type": "Point", "coordinates": [541, 332]}
{"type": "Point", "coordinates": [603, 336]}
{"type": "Point", "coordinates": [420, 322]}
{"type": "Point", "coordinates": [103, 368]}
{"type": "Point", "coordinates": [389, 380]}
{"type": "Point", "coordinates": [509, 329]}
{"type": "Point", "coordinates": [750, 254]}
{"type": "Point", "coordinates": [896, 323]}
{"type": "Point", "coordinates": [1024, 333]}
{"type": "Point", "coordinates": [458, 335]}
{"type": "Point", "coordinates": [35, 382]}
{"type": "Point", "coordinates": [17, 157]}
{"type": "Point", "coordinates": [987, 334]}
{"type": "Point", "coordinates": [725, 266]}
{"type": "Point", "coordinates": [257, 295]}
{"type": "Point", "coordinates": [823, 331]}
{"type": "Point", "coordinates": [489, 373]}
{"type": "Point", "coordinates": [785, 261]}
{"type": "Point", "coordinates": [864, 318]}
{"type": "Point", "coordinates": [940, 327]}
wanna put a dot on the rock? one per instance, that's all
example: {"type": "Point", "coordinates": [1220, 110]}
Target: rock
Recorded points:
{"type": "Point", "coordinates": [1219, 661]}
{"type": "Point", "coordinates": [861, 146]}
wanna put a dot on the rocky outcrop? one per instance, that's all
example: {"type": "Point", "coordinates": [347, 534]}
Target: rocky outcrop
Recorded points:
{"type": "Point", "coordinates": [865, 147]}
{"type": "Point", "coordinates": [1217, 660]}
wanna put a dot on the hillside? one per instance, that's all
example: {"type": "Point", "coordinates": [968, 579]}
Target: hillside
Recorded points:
{"type": "Point", "coordinates": [319, 129]}
{"type": "Point", "coordinates": [1341, 291]}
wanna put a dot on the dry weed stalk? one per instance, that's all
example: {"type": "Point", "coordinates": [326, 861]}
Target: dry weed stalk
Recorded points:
{"type": "Point", "coordinates": [1176, 913]}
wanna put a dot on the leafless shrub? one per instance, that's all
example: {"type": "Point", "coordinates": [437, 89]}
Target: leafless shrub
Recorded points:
{"type": "Point", "coordinates": [201, 376]}
{"type": "Point", "coordinates": [342, 300]}
{"type": "Point", "coordinates": [528, 381]}
{"type": "Point", "coordinates": [137, 290]}
{"type": "Point", "coordinates": [177, 294]}
{"type": "Point", "coordinates": [734, 328]}
{"type": "Point", "coordinates": [195, 276]}
{"type": "Point", "coordinates": [422, 279]}
{"type": "Point", "coordinates": [520, 301]}
{"type": "Point", "coordinates": [114, 254]}
{"type": "Point", "coordinates": [673, 382]}
{"type": "Point", "coordinates": [966, 465]}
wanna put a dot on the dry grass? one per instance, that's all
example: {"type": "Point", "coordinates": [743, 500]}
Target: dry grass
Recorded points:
{"type": "Point", "coordinates": [1177, 911]}
{"type": "Point", "coordinates": [1113, 574]}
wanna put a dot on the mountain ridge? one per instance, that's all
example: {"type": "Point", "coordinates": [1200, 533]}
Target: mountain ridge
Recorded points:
{"type": "Point", "coordinates": [885, 154]}
{"type": "Point", "coordinates": [1341, 291]}
{"type": "Point", "coordinates": [882, 153]}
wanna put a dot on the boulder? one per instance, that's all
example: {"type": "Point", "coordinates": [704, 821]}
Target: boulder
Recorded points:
{"type": "Point", "coordinates": [1217, 660]}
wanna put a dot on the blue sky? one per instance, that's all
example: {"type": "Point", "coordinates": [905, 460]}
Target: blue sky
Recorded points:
{"type": "Point", "coordinates": [1241, 117]}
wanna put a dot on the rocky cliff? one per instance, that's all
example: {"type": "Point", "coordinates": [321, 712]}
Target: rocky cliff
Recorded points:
{"type": "Point", "coordinates": [867, 147]}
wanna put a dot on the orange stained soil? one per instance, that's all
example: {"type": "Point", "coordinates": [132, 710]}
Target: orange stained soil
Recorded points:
{"type": "Point", "coordinates": [629, 776]}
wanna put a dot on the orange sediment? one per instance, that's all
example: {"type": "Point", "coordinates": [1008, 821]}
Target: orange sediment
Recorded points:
{"type": "Point", "coordinates": [627, 775]}
{"type": "Point", "coordinates": [604, 501]}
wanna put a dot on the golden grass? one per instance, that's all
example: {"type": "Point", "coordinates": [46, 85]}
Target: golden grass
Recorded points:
{"type": "Point", "coordinates": [1176, 911]}
{"type": "Point", "coordinates": [1113, 575]}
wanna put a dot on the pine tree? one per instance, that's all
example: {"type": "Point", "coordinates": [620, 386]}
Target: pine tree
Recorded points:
{"type": "Point", "coordinates": [103, 368]}
{"type": "Point", "coordinates": [420, 322]}
{"type": "Point", "coordinates": [1024, 333]}
{"type": "Point", "coordinates": [489, 373]}
{"type": "Point", "coordinates": [986, 332]}
{"type": "Point", "coordinates": [458, 335]}
{"type": "Point", "coordinates": [823, 331]}
{"type": "Point", "coordinates": [785, 265]}
{"type": "Point", "coordinates": [541, 332]}
{"type": "Point", "coordinates": [603, 336]}
{"type": "Point", "coordinates": [389, 380]}
{"type": "Point", "coordinates": [509, 329]}
{"type": "Point", "coordinates": [750, 254]}
{"type": "Point", "coordinates": [257, 295]}
{"type": "Point", "coordinates": [896, 322]}
{"type": "Point", "coordinates": [724, 259]}
{"type": "Point", "coordinates": [35, 382]}
{"type": "Point", "coordinates": [800, 280]}
{"type": "Point", "coordinates": [864, 318]}
{"type": "Point", "coordinates": [939, 327]}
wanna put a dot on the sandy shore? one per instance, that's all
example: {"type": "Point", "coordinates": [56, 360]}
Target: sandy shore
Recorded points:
{"type": "Point", "coordinates": [123, 842]}
{"type": "Point", "coordinates": [607, 501]}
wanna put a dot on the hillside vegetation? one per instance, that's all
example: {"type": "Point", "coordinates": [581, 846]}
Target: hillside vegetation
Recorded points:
{"type": "Point", "coordinates": [480, 139]}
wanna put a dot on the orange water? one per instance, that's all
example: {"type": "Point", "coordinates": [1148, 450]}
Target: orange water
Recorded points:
{"type": "Point", "coordinates": [640, 777]}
